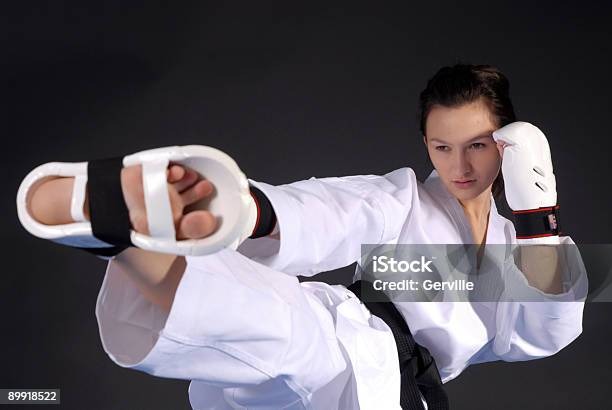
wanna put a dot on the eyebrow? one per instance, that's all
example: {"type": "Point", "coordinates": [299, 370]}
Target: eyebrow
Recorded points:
{"type": "Point", "coordinates": [483, 135]}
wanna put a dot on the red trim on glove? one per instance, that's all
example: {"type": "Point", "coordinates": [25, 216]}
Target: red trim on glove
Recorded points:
{"type": "Point", "coordinates": [535, 236]}
{"type": "Point", "coordinates": [548, 208]}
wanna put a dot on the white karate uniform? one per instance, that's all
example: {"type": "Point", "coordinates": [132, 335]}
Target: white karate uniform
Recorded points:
{"type": "Point", "coordinates": [248, 334]}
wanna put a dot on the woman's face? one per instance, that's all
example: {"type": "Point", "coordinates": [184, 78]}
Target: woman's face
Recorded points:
{"type": "Point", "coordinates": [461, 147]}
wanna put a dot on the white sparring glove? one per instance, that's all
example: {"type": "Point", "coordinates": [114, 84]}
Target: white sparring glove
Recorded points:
{"type": "Point", "coordinates": [530, 184]}
{"type": "Point", "coordinates": [110, 230]}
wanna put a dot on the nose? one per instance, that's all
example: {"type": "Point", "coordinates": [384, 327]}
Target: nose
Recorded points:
{"type": "Point", "coordinates": [461, 164]}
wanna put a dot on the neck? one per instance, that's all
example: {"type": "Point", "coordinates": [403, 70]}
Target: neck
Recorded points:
{"type": "Point", "coordinates": [478, 208]}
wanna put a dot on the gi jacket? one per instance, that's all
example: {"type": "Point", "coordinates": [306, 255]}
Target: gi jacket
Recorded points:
{"type": "Point", "coordinates": [248, 334]}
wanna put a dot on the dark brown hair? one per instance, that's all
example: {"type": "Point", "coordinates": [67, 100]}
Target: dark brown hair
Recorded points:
{"type": "Point", "coordinates": [453, 86]}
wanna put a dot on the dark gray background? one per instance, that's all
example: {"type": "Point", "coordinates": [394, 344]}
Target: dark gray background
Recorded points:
{"type": "Point", "coordinates": [290, 91]}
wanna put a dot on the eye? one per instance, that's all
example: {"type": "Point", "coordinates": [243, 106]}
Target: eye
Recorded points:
{"type": "Point", "coordinates": [477, 145]}
{"type": "Point", "coordinates": [442, 148]}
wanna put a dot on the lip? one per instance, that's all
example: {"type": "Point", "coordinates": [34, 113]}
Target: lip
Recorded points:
{"type": "Point", "coordinates": [464, 184]}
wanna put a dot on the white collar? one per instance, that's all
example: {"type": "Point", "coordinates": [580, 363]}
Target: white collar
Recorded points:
{"type": "Point", "coordinates": [436, 187]}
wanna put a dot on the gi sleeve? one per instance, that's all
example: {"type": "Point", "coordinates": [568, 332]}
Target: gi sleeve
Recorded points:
{"type": "Point", "coordinates": [324, 221]}
{"type": "Point", "coordinates": [540, 324]}
{"type": "Point", "coordinates": [233, 322]}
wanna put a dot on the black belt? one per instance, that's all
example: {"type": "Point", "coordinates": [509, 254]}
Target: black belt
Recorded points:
{"type": "Point", "coordinates": [417, 367]}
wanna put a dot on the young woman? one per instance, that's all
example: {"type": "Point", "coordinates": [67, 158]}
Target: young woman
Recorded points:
{"type": "Point", "coordinates": [248, 334]}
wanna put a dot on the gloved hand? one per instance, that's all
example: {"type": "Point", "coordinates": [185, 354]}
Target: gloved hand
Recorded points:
{"type": "Point", "coordinates": [530, 184]}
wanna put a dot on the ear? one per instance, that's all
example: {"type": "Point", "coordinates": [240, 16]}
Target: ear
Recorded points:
{"type": "Point", "coordinates": [425, 140]}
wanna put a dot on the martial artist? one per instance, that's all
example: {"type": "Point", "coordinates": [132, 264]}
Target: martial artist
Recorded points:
{"type": "Point", "coordinates": [244, 330]}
